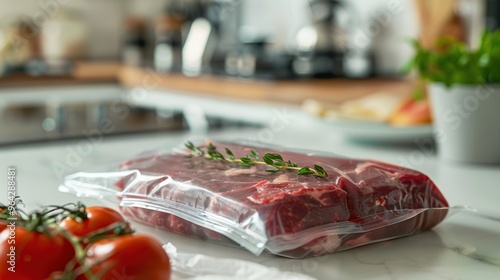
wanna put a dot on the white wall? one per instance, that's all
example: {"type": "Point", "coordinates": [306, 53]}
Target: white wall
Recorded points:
{"type": "Point", "coordinates": [278, 18]}
{"type": "Point", "coordinates": [104, 18]}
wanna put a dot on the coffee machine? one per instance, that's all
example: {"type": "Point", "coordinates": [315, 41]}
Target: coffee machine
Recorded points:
{"type": "Point", "coordinates": [323, 45]}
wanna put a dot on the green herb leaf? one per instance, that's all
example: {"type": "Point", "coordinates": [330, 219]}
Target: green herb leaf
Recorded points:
{"type": "Point", "coordinates": [451, 62]}
{"type": "Point", "coordinates": [245, 160]}
{"type": "Point", "coordinates": [270, 159]}
{"type": "Point", "coordinates": [320, 171]}
{"type": "Point", "coordinates": [275, 156]}
{"type": "Point", "coordinates": [278, 163]}
{"type": "Point", "coordinates": [272, 170]}
{"type": "Point", "coordinates": [230, 153]}
{"type": "Point", "coordinates": [190, 145]}
{"type": "Point", "coordinates": [267, 159]}
{"type": "Point", "coordinates": [254, 154]}
{"type": "Point", "coordinates": [305, 171]}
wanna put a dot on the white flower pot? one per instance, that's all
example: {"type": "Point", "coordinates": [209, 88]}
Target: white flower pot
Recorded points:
{"type": "Point", "coordinates": [467, 122]}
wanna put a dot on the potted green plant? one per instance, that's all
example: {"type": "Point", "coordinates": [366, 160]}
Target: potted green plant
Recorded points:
{"type": "Point", "coordinates": [464, 89]}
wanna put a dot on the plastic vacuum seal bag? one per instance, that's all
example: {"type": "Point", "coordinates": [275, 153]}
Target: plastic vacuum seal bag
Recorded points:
{"type": "Point", "coordinates": [255, 197]}
{"type": "Point", "coordinates": [201, 267]}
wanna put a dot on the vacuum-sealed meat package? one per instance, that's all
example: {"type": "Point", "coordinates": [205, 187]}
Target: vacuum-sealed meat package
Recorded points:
{"type": "Point", "coordinates": [289, 203]}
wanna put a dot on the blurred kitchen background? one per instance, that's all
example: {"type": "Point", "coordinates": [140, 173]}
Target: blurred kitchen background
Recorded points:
{"type": "Point", "coordinates": [172, 65]}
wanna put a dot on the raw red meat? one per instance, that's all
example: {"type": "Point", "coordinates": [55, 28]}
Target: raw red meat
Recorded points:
{"type": "Point", "coordinates": [360, 202]}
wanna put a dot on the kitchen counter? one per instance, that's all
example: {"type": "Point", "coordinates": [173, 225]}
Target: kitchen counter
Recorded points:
{"type": "Point", "coordinates": [81, 73]}
{"type": "Point", "coordinates": [277, 91]}
{"type": "Point", "coordinates": [292, 92]}
{"type": "Point", "coordinates": [464, 246]}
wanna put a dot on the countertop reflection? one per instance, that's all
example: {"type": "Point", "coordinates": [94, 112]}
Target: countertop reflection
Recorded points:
{"type": "Point", "coordinates": [465, 246]}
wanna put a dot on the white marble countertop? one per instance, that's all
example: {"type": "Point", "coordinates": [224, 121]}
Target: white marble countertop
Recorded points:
{"type": "Point", "coordinates": [464, 246]}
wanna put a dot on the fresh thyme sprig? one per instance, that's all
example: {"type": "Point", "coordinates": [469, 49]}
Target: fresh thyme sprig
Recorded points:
{"type": "Point", "coordinates": [274, 160]}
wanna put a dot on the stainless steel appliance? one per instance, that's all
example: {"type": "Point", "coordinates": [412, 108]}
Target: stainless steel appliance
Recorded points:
{"type": "Point", "coordinates": [323, 45]}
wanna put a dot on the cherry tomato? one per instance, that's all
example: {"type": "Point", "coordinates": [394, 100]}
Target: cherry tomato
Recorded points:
{"type": "Point", "coordinates": [98, 218]}
{"type": "Point", "coordinates": [129, 257]}
{"type": "Point", "coordinates": [31, 254]}
{"type": "Point", "coordinates": [3, 222]}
